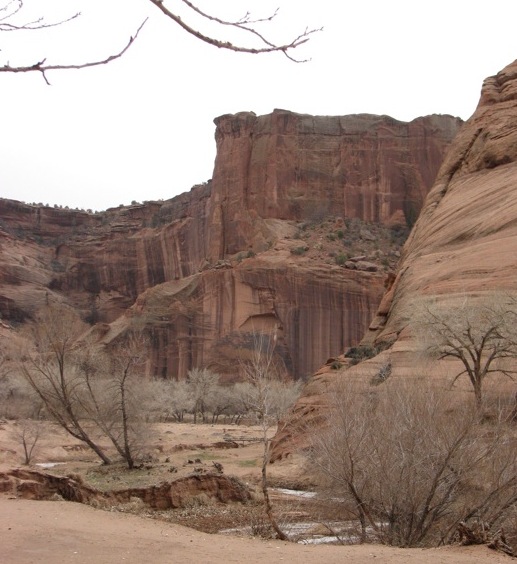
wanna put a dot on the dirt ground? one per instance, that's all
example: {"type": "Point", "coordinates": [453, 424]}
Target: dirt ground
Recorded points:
{"type": "Point", "coordinates": [59, 531]}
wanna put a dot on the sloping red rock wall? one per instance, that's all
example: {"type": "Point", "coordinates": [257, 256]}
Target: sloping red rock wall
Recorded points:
{"type": "Point", "coordinates": [463, 246]}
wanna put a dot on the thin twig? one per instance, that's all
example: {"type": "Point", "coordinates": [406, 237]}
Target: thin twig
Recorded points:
{"type": "Point", "coordinates": [43, 68]}
{"type": "Point", "coordinates": [269, 46]}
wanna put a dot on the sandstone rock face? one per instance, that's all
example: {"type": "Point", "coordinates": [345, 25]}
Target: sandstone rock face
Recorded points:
{"type": "Point", "coordinates": [224, 259]}
{"type": "Point", "coordinates": [291, 166]}
{"type": "Point", "coordinates": [99, 262]}
{"type": "Point", "coordinates": [198, 321]}
{"type": "Point", "coordinates": [465, 240]}
{"type": "Point", "coordinates": [464, 243]}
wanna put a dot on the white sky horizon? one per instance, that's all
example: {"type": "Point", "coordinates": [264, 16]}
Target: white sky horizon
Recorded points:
{"type": "Point", "coordinates": [141, 128]}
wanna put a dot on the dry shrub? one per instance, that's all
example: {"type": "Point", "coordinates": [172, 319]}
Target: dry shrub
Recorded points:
{"type": "Point", "coordinates": [27, 434]}
{"type": "Point", "coordinates": [199, 500]}
{"type": "Point", "coordinates": [411, 462]}
{"type": "Point", "coordinates": [261, 527]}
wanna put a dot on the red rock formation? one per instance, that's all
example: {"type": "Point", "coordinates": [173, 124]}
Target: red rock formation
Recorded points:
{"type": "Point", "coordinates": [465, 240]}
{"type": "Point", "coordinates": [198, 321]}
{"type": "Point", "coordinates": [31, 484]}
{"type": "Point", "coordinates": [464, 243]}
{"type": "Point", "coordinates": [100, 262]}
{"type": "Point", "coordinates": [179, 263]}
{"type": "Point", "coordinates": [291, 166]}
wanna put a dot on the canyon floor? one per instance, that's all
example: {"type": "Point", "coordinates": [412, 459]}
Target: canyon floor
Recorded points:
{"type": "Point", "coordinates": [60, 531]}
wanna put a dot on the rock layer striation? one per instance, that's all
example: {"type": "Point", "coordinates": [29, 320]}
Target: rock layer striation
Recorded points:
{"type": "Point", "coordinates": [224, 259]}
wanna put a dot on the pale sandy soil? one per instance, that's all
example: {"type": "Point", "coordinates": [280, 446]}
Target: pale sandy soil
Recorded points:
{"type": "Point", "coordinates": [62, 532]}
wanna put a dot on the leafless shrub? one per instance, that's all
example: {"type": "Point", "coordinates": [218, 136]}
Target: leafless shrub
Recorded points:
{"type": "Point", "coordinates": [411, 462]}
{"type": "Point", "coordinates": [27, 433]}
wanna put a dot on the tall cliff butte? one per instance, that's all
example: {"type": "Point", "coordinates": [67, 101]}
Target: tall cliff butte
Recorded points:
{"type": "Point", "coordinates": [253, 249]}
{"type": "Point", "coordinates": [463, 245]}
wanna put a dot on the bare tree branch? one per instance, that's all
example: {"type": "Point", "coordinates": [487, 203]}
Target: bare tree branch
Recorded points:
{"type": "Point", "coordinates": [244, 24]}
{"type": "Point", "coordinates": [43, 68]}
{"type": "Point", "coordinates": [38, 23]}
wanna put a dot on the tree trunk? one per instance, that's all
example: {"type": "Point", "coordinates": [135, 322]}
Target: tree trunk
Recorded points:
{"type": "Point", "coordinates": [269, 508]}
{"type": "Point", "coordinates": [97, 450]}
{"type": "Point", "coordinates": [478, 394]}
{"type": "Point", "coordinates": [128, 455]}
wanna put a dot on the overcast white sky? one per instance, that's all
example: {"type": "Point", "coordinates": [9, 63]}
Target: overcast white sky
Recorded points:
{"type": "Point", "coordinates": [142, 127]}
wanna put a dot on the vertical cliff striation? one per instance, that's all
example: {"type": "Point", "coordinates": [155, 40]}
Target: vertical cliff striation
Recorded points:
{"type": "Point", "coordinates": [291, 166]}
{"type": "Point", "coordinates": [265, 244]}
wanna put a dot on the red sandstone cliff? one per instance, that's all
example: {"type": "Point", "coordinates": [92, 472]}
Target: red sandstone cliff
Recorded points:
{"type": "Point", "coordinates": [223, 259]}
{"type": "Point", "coordinates": [465, 240]}
{"type": "Point", "coordinates": [463, 244]}
{"type": "Point", "coordinates": [291, 166]}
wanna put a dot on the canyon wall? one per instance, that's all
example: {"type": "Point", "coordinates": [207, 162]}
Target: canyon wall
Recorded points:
{"type": "Point", "coordinates": [300, 167]}
{"type": "Point", "coordinates": [262, 245]}
{"type": "Point", "coordinates": [465, 240]}
{"type": "Point", "coordinates": [463, 246]}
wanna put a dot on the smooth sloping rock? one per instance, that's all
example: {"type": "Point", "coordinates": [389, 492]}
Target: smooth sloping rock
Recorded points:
{"type": "Point", "coordinates": [463, 245]}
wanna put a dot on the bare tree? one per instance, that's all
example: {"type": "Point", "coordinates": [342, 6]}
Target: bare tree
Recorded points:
{"type": "Point", "coordinates": [50, 369]}
{"type": "Point", "coordinates": [261, 369]}
{"type": "Point", "coordinates": [28, 433]}
{"type": "Point", "coordinates": [85, 390]}
{"type": "Point", "coordinates": [238, 396]}
{"type": "Point", "coordinates": [180, 401]}
{"type": "Point", "coordinates": [170, 400]}
{"type": "Point", "coordinates": [481, 334]}
{"type": "Point", "coordinates": [219, 401]}
{"type": "Point", "coordinates": [201, 383]}
{"type": "Point", "coordinates": [11, 12]}
{"type": "Point", "coordinates": [128, 360]}
{"type": "Point", "coordinates": [412, 462]}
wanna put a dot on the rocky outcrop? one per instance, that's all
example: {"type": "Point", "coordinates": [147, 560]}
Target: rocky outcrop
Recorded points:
{"type": "Point", "coordinates": [31, 484]}
{"type": "Point", "coordinates": [201, 320]}
{"type": "Point", "coordinates": [463, 245]}
{"type": "Point", "coordinates": [99, 262]}
{"type": "Point", "coordinates": [230, 256]}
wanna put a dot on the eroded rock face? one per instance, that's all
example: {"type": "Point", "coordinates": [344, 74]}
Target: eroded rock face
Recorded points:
{"type": "Point", "coordinates": [464, 243]}
{"type": "Point", "coordinates": [31, 484]}
{"type": "Point", "coordinates": [224, 259]}
{"type": "Point", "coordinates": [292, 166]}
{"type": "Point", "coordinates": [209, 315]}
{"type": "Point", "coordinates": [98, 262]}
